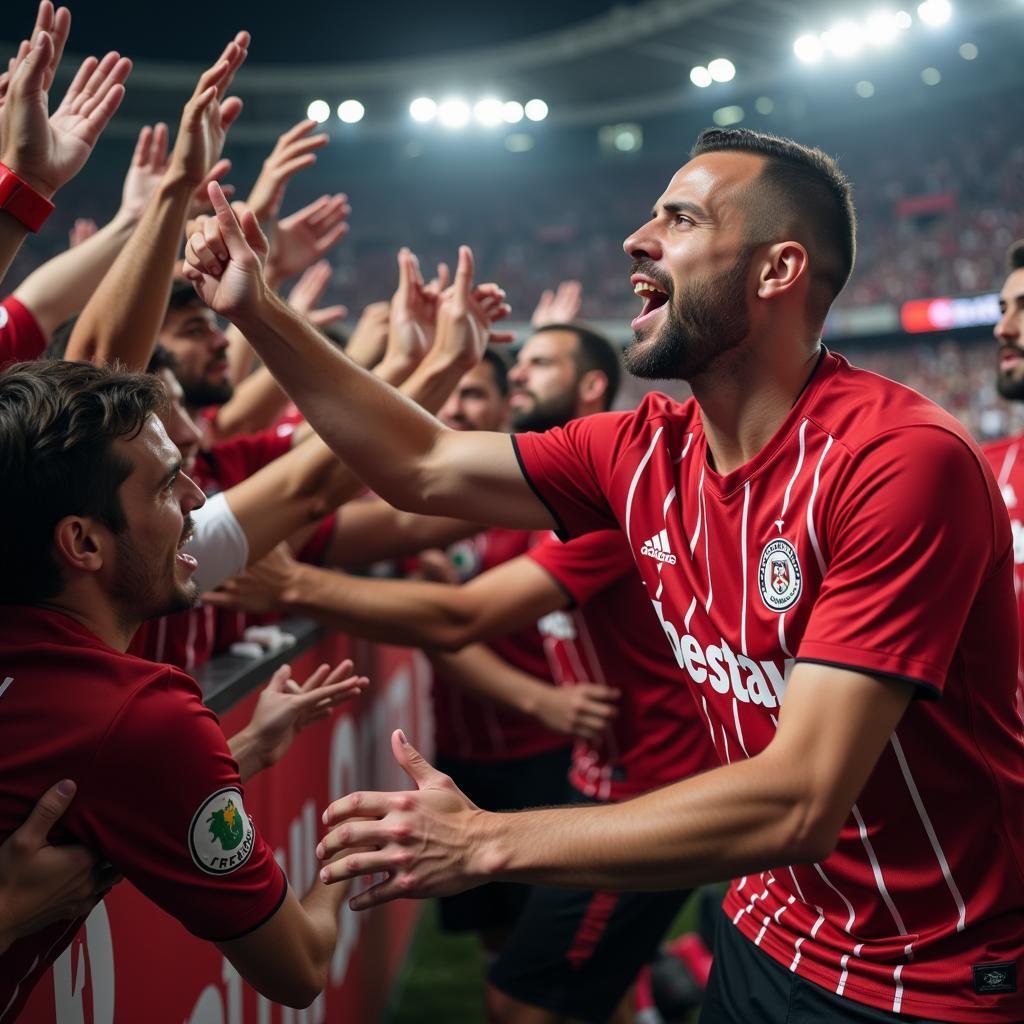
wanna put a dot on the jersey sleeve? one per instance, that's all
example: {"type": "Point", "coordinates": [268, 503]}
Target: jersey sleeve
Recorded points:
{"type": "Point", "coordinates": [165, 805]}
{"type": "Point", "coordinates": [906, 551]}
{"type": "Point", "coordinates": [570, 469]}
{"type": "Point", "coordinates": [21, 338]}
{"type": "Point", "coordinates": [587, 565]}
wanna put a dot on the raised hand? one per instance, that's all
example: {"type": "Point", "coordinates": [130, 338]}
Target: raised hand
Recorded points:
{"type": "Point", "coordinates": [48, 151]}
{"type": "Point", "coordinates": [307, 235]}
{"type": "Point", "coordinates": [423, 840]}
{"type": "Point", "coordinates": [294, 151]}
{"type": "Point", "coordinates": [370, 335]}
{"type": "Point", "coordinates": [225, 260]}
{"type": "Point", "coordinates": [412, 313]}
{"type": "Point", "coordinates": [208, 115]}
{"type": "Point", "coordinates": [83, 228]}
{"type": "Point", "coordinates": [308, 291]}
{"type": "Point", "coordinates": [149, 164]}
{"type": "Point", "coordinates": [560, 306]}
{"type": "Point", "coordinates": [40, 883]}
{"type": "Point", "coordinates": [285, 707]}
{"type": "Point", "coordinates": [466, 315]}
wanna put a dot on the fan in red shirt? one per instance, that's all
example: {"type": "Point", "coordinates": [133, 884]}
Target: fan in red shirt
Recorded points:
{"type": "Point", "coordinates": [831, 562]}
{"type": "Point", "coordinates": [94, 546]}
{"type": "Point", "coordinates": [1007, 456]}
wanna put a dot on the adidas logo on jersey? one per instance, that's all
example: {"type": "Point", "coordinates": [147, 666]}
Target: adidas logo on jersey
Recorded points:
{"type": "Point", "coordinates": [657, 548]}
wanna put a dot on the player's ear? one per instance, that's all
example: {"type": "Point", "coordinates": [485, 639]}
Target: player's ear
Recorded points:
{"type": "Point", "coordinates": [80, 543]}
{"type": "Point", "coordinates": [593, 386]}
{"type": "Point", "coordinates": [783, 266]}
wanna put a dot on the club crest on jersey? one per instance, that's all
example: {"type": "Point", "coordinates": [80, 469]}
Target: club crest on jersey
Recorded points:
{"type": "Point", "coordinates": [221, 836]}
{"type": "Point", "coordinates": [779, 578]}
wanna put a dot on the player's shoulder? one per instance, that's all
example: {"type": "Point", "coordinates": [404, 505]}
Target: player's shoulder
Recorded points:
{"type": "Point", "coordinates": [655, 415]}
{"type": "Point", "coordinates": [860, 409]}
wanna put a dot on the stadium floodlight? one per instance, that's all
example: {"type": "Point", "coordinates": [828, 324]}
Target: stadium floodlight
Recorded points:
{"type": "Point", "coordinates": [319, 111]}
{"type": "Point", "coordinates": [351, 111]}
{"type": "Point", "coordinates": [453, 113]}
{"type": "Point", "coordinates": [865, 89]}
{"type": "Point", "coordinates": [722, 70]}
{"type": "Point", "coordinates": [881, 28]}
{"type": "Point", "coordinates": [536, 110]}
{"type": "Point", "coordinates": [935, 12]}
{"type": "Point", "coordinates": [725, 116]}
{"type": "Point", "coordinates": [808, 48]}
{"type": "Point", "coordinates": [969, 51]}
{"type": "Point", "coordinates": [512, 112]}
{"type": "Point", "coordinates": [903, 20]}
{"type": "Point", "coordinates": [931, 76]}
{"type": "Point", "coordinates": [764, 105]}
{"type": "Point", "coordinates": [701, 77]}
{"type": "Point", "coordinates": [423, 109]}
{"type": "Point", "coordinates": [488, 112]}
{"type": "Point", "coordinates": [844, 39]}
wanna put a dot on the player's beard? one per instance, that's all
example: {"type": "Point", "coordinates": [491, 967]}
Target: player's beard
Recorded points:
{"type": "Point", "coordinates": [704, 318]}
{"type": "Point", "coordinates": [546, 413]}
{"type": "Point", "coordinates": [202, 393]}
{"type": "Point", "coordinates": [147, 587]}
{"type": "Point", "coordinates": [1011, 385]}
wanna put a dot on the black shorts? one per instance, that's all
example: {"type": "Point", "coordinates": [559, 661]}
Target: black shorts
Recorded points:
{"type": "Point", "coordinates": [538, 781]}
{"type": "Point", "coordinates": [748, 985]}
{"type": "Point", "coordinates": [576, 952]}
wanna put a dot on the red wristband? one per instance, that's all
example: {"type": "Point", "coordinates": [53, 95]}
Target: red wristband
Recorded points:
{"type": "Point", "coordinates": [22, 201]}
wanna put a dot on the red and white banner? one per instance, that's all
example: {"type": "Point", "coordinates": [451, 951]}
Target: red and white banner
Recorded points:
{"type": "Point", "coordinates": [132, 963]}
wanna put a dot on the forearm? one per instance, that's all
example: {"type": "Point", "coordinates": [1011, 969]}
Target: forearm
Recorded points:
{"type": "Point", "coordinates": [410, 613]}
{"type": "Point", "coordinates": [322, 906]}
{"type": "Point", "coordinates": [382, 435]}
{"type": "Point", "coordinates": [12, 235]}
{"type": "Point", "coordinates": [479, 671]}
{"type": "Point", "coordinates": [240, 355]}
{"type": "Point", "coordinates": [124, 315]}
{"type": "Point", "coordinates": [62, 286]}
{"type": "Point", "coordinates": [739, 819]}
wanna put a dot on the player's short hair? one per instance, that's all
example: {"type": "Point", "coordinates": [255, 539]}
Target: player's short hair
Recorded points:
{"type": "Point", "coordinates": [594, 351]}
{"type": "Point", "coordinates": [1015, 256]}
{"type": "Point", "coordinates": [58, 423]}
{"type": "Point", "coordinates": [183, 295]}
{"type": "Point", "coordinates": [800, 192]}
{"type": "Point", "coordinates": [499, 369]}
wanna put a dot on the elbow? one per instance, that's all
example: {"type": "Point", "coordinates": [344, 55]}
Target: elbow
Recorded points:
{"type": "Point", "coordinates": [811, 833]}
{"type": "Point", "coordinates": [301, 990]}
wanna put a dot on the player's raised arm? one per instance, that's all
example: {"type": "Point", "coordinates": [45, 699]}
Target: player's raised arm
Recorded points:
{"type": "Point", "coordinates": [399, 450]}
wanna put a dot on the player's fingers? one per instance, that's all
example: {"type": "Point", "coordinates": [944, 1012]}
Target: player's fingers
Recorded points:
{"type": "Point", "coordinates": [205, 258]}
{"type": "Point", "coordinates": [212, 236]}
{"type": "Point", "coordinates": [316, 678]}
{"type": "Point", "coordinates": [50, 806]}
{"type": "Point", "coordinates": [464, 272]}
{"type": "Point", "coordinates": [373, 835]}
{"type": "Point", "coordinates": [361, 804]}
{"type": "Point", "coordinates": [382, 892]}
{"type": "Point", "coordinates": [230, 227]}
{"type": "Point", "coordinates": [141, 155]}
{"type": "Point", "coordinates": [279, 680]}
{"type": "Point", "coordinates": [229, 111]}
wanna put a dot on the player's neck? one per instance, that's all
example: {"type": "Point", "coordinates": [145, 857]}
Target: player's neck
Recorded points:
{"type": "Point", "coordinates": [97, 614]}
{"type": "Point", "coordinates": [744, 404]}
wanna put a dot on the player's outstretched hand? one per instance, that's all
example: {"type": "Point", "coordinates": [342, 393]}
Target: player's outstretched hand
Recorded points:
{"type": "Point", "coordinates": [208, 115]}
{"type": "Point", "coordinates": [466, 315]}
{"type": "Point", "coordinates": [285, 707]}
{"type": "Point", "coordinates": [225, 260]}
{"type": "Point", "coordinates": [307, 235]}
{"type": "Point", "coordinates": [48, 150]}
{"type": "Point", "coordinates": [423, 840]}
{"type": "Point", "coordinates": [261, 587]}
{"type": "Point", "coordinates": [582, 709]}
{"type": "Point", "coordinates": [40, 883]}
{"type": "Point", "coordinates": [306, 293]}
{"type": "Point", "coordinates": [295, 150]}
{"type": "Point", "coordinates": [560, 306]}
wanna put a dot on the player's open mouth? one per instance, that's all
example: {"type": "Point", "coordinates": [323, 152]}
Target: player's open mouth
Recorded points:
{"type": "Point", "coordinates": [182, 557]}
{"type": "Point", "coordinates": [653, 296]}
{"type": "Point", "coordinates": [1010, 359]}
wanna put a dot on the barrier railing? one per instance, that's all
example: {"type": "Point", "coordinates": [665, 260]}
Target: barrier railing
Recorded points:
{"type": "Point", "coordinates": [133, 963]}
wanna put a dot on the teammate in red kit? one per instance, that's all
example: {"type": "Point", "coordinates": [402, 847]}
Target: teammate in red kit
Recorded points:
{"type": "Point", "coordinates": [854, 639]}
{"type": "Point", "coordinates": [92, 546]}
{"type": "Point", "coordinates": [1006, 455]}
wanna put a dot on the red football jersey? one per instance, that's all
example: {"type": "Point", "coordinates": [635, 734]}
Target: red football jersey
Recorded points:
{"type": "Point", "coordinates": [1007, 459]}
{"type": "Point", "coordinates": [612, 636]}
{"type": "Point", "coordinates": [475, 730]}
{"type": "Point", "coordinates": [189, 639]}
{"type": "Point", "coordinates": [159, 796]}
{"type": "Point", "coordinates": [867, 534]}
{"type": "Point", "coordinates": [21, 338]}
